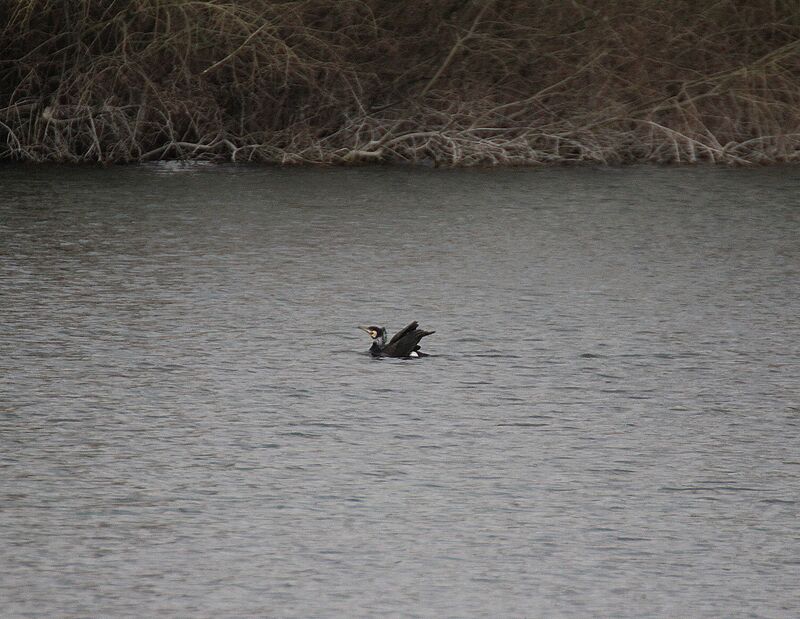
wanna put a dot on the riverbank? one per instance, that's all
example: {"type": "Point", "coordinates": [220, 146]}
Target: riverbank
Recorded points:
{"type": "Point", "coordinates": [451, 83]}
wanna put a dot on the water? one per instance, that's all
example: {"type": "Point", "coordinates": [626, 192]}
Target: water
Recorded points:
{"type": "Point", "coordinates": [608, 424]}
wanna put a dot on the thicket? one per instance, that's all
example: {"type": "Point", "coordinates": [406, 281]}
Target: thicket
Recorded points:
{"type": "Point", "coordinates": [453, 82]}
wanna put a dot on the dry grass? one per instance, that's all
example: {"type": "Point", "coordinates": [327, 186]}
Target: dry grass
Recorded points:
{"type": "Point", "coordinates": [452, 82]}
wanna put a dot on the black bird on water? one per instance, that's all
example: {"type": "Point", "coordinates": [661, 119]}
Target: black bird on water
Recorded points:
{"type": "Point", "coordinates": [404, 343]}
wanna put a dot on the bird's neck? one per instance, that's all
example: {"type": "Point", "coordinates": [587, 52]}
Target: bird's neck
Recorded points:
{"type": "Point", "coordinates": [378, 344]}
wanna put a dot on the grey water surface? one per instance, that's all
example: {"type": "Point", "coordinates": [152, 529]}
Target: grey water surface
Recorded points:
{"type": "Point", "coordinates": [608, 424]}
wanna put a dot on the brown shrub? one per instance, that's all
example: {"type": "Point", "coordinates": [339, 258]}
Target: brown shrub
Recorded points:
{"type": "Point", "coordinates": [453, 82]}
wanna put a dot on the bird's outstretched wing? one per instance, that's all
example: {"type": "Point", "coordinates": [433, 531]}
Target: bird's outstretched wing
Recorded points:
{"type": "Point", "coordinates": [406, 341]}
{"type": "Point", "coordinates": [403, 332]}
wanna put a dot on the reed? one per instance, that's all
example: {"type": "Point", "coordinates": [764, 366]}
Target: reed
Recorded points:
{"type": "Point", "coordinates": [447, 82]}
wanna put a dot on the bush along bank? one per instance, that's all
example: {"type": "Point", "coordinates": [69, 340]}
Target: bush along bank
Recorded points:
{"type": "Point", "coordinates": [448, 82]}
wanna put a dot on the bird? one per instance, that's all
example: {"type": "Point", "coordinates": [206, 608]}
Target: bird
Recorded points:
{"type": "Point", "coordinates": [404, 343]}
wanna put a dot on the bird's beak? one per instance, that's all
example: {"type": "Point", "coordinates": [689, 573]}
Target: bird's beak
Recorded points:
{"type": "Point", "coordinates": [364, 329]}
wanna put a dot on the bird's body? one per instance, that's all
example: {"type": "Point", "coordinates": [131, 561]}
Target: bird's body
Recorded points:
{"type": "Point", "coordinates": [404, 343]}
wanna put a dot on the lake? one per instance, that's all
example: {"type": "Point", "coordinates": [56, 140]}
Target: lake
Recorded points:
{"type": "Point", "coordinates": [608, 423]}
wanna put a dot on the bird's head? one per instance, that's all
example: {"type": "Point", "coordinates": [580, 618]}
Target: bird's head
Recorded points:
{"type": "Point", "coordinates": [376, 333]}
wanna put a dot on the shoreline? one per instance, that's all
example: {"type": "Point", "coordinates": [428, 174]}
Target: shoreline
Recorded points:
{"type": "Point", "coordinates": [399, 165]}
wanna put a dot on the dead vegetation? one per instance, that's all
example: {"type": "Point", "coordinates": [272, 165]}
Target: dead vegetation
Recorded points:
{"type": "Point", "coordinates": [449, 82]}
